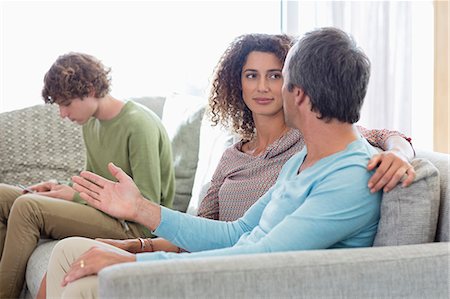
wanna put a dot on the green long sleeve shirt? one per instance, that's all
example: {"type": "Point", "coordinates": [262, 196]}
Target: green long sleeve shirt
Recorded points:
{"type": "Point", "coordinates": [136, 141]}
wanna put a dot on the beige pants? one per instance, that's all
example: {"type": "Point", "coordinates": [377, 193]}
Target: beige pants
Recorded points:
{"type": "Point", "coordinates": [25, 218]}
{"type": "Point", "coordinates": [63, 255]}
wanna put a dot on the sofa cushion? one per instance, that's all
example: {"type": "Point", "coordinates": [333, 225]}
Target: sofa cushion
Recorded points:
{"type": "Point", "coordinates": [155, 104]}
{"type": "Point", "coordinates": [409, 215]}
{"type": "Point", "coordinates": [182, 116]}
{"type": "Point", "coordinates": [37, 145]}
{"type": "Point", "coordinates": [214, 140]}
{"type": "Point", "coordinates": [37, 265]}
{"type": "Point", "coordinates": [442, 163]}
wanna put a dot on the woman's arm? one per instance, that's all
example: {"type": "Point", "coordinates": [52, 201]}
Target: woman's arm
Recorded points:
{"type": "Point", "coordinates": [392, 164]}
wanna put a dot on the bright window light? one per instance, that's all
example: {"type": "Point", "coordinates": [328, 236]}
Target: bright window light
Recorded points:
{"type": "Point", "coordinates": [153, 47]}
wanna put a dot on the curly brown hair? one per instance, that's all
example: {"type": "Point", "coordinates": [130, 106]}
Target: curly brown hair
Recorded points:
{"type": "Point", "coordinates": [226, 105]}
{"type": "Point", "coordinates": [75, 75]}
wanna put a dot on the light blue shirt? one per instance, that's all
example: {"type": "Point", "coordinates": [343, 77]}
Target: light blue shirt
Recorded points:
{"type": "Point", "coordinates": [327, 205]}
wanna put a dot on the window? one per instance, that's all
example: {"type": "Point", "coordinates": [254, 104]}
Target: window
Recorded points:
{"type": "Point", "coordinates": [153, 47]}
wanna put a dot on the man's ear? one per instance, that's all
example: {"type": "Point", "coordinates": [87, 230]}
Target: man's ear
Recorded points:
{"type": "Point", "coordinates": [299, 95]}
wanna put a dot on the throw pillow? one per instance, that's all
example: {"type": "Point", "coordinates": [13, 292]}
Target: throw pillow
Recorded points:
{"type": "Point", "coordinates": [37, 145]}
{"type": "Point", "coordinates": [409, 215]}
{"type": "Point", "coordinates": [182, 116]}
{"type": "Point", "coordinates": [214, 140]}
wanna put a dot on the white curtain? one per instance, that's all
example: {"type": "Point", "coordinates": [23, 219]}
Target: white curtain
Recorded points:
{"type": "Point", "coordinates": [383, 29]}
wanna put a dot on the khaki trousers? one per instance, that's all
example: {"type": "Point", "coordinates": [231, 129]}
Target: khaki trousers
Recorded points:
{"type": "Point", "coordinates": [25, 218]}
{"type": "Point", "coordinates": [63, 255]}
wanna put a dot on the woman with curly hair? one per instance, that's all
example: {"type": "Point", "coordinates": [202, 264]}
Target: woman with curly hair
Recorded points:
{"type": "Point", "coordinates": [113, 130]}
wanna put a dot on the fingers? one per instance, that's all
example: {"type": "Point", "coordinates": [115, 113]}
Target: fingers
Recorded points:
{"type": "Point", "coordinates": [81, 267]}
{"type": "Point", "coordinates": [374, 181]}
{"type": "Point", "coordinates": [385, 174]}
{"type": "Point", "coordinates": [85, 186]}
{"type": "Point", "coordinates": [94, 178]}
{"type": "Point", "coordinates": [96, 203]}
{"type": "Point", "coordinates": [390, 172]}
{"type": "Point", "coordinates": [373, 162]}
{"type": "Point", "coordinates": [118, 173]}
{"type": "Point", "coordinates": [411, 175]}
{"type": "Point", "coordinates": [394, 180]}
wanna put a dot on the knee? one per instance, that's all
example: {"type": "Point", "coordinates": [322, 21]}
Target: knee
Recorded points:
{"type": "Point", "coordinates": [24, 206]}
{"type": "Point", "coordinates": [67, 244]}
{"type": "Point", "coordinates": [9, 193]}
{"type": "Point", "coordinates": [86, 287]}
{"type": "Point", "coordinates": [70, 249]}
{"type": "Point", "coordinates": [63, 255]}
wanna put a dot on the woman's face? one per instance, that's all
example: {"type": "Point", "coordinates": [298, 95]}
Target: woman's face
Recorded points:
{"type": "Point", "coordinates": [261, 81]}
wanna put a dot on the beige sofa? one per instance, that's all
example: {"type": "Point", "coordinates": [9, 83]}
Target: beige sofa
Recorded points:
{"type": "Point", "coordinates": [37, 145]}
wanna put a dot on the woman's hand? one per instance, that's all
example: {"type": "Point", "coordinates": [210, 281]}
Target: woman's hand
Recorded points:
{"type": "Point", "coordinates": [130, 245]}
{"type": "Point", "coordinates": [120, 199]}
{"type": "Point", "coordinates": [392, 167]}
{"type": "Point", "coordinates": [94, 260]}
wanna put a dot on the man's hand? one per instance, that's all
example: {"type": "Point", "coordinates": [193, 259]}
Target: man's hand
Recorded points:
{"type": "Point", "coordinates": [59, 191]}
{"type": "Point", "coordinates": [94, 260]}
{"type": "Point", "coordinates": [121, 200]}
{"type": "Point", "coordinates": [392, 167]}
{"type": "Point", "coordinates": [130, 245]}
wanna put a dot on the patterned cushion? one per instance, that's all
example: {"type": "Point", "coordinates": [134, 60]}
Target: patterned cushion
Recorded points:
{"type": "Point", "coordinates": [37, 145]}
{"type": "Point", "coordinates": [409, 215]}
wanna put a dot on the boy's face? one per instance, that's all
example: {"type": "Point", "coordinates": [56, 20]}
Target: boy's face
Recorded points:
{"type": "Point", "coordinates": [78, 110]}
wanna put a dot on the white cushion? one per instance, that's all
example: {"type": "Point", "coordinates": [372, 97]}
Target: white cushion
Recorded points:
{"type": "Point", "coordinates": [182, 116]}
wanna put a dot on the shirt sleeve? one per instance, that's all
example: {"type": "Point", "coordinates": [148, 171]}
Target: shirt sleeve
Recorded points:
{"type": "Point", "coordinates": [378, 137]}
{"type": "Point", "coordinates": [144, 152]}
{"type": "Point", "coordinates": [199, 234]}
{"type": "Point", "coordinates": [335, 210]}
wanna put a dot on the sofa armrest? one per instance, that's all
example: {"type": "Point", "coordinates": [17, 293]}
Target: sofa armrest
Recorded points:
{"type": "Point", "coordinates": [419, 271]}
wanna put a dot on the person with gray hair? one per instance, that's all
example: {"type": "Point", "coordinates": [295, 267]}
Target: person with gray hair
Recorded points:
{"type": "Point", "coordinates": [320, 200]}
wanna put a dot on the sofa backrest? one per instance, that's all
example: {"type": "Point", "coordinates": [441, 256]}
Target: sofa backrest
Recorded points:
{"type": "Point", "coordinates": [181, 115]}
{"type": "Point", "coordinates": [441, 162]}
{"type": "Point", "coordinates": [36, 145]}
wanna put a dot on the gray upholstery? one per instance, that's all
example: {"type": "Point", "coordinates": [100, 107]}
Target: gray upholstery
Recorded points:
{"type": "Point", "coordinates": [414, 271]}
{"type": "Point", "coordinates": [442, 162]}
{"type": "Point", "coordinates": [182, 116]}
{"type": "Point", "coordinates": [410, 215]}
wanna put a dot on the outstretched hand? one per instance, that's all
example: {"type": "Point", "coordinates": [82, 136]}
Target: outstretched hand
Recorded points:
{"type": "Point", "coordinates": [94, 260]}
{"type": "Point", "coordinates": [120, 199]}
{"type": "Point", "coordinates": [392, 168]}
